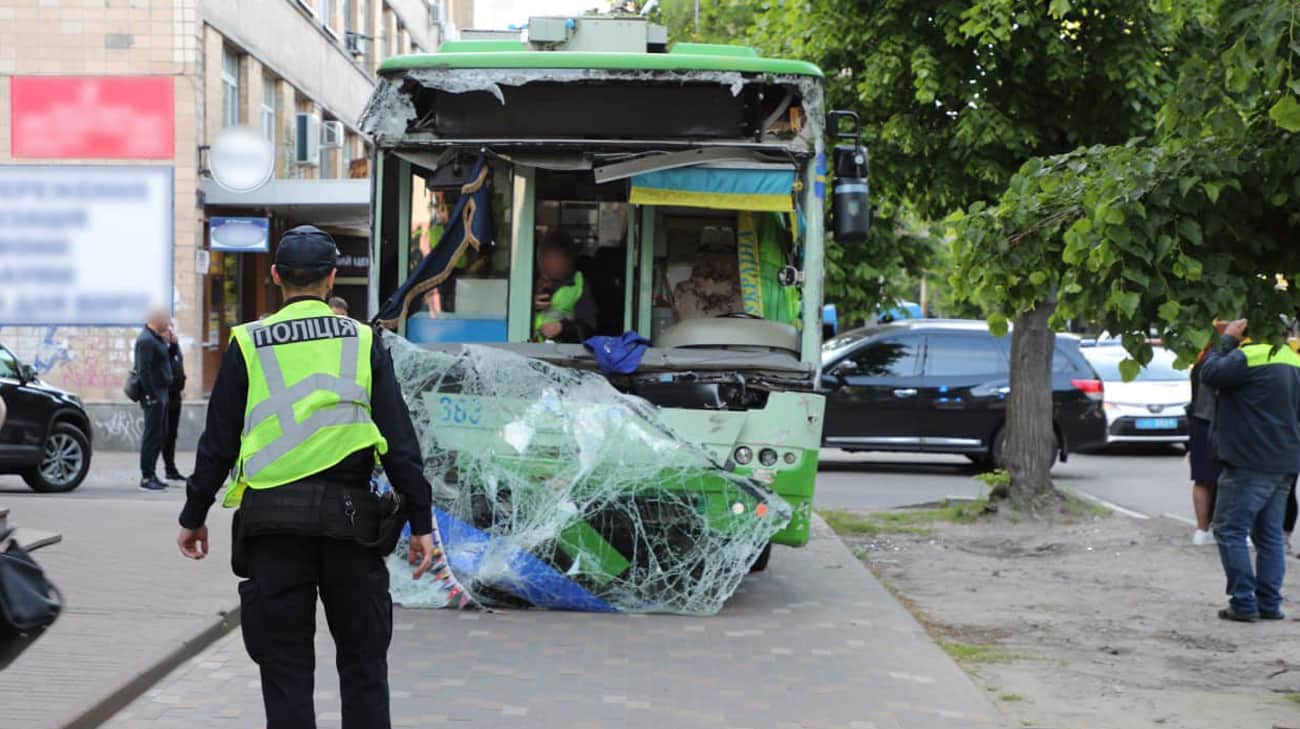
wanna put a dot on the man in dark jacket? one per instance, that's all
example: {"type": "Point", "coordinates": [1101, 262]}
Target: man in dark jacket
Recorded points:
{"type": "Point", "coordinates": [154, 368]}
{"type": "Point", "coordinates": [174, 396]}
{"type": "Point", "coordinates": [1256, 434]}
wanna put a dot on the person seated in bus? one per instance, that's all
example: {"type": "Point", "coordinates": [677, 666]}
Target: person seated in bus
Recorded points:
{"type": "Point", "coordinates": [563, 310]}
{"type": "Point", "coordinates": [713, 288]}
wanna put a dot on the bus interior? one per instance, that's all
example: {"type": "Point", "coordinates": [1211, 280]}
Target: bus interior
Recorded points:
{"type": "Point", "coordinates": [711, 288]}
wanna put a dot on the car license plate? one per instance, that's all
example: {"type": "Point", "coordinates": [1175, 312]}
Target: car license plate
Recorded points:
{"type": "Point", "coordinates": [1157, 423]}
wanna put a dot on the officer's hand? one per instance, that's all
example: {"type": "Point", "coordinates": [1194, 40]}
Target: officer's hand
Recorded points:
{"type": "Point", "coordinates": [550, 329]}
{"type": "Point", "coordinates": [421, 552]}
{"type": "Point", "coordinates": [193, 542]}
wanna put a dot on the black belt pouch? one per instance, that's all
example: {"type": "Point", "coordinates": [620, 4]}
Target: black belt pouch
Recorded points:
{"type": "Point", "coordinates": [310, 507]}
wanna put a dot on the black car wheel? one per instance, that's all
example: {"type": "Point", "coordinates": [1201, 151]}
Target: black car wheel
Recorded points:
{"type": "Point", "coordinates": [65, 463]}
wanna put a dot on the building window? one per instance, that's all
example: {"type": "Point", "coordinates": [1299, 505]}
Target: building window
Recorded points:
{"type": "Point", "coordinates": [326, 10]}
{"type": "Point", "coordinates": [327, 157]}
{"type": "Point", "coordinates": [368, 26]}
{"type": "Point", "coordinates": [229, 87]}
{"type": "Point", "coordinates": [391, 39]}
{"type": "Point", "coordinates": [268, 107]}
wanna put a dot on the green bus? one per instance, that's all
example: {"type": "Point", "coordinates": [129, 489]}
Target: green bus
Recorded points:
{"type": "Point", "coordinates": [690, 182]}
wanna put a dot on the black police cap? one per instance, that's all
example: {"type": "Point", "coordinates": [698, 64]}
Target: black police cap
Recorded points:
{"type": "Point", "coordinates": [307, 246]}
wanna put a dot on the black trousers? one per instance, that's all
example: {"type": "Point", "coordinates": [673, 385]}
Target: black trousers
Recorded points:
{"type": "Point", "coordinates": [155, 430]}
{"type": "Point", "coordinates": [169, 439]}
{"type": "Point", "coordinates": [278, 614]}
{"type": "Point", "coordinates": [1288, 521]}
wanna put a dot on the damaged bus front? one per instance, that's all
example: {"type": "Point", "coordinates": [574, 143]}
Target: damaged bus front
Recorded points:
{"type": "Point", "coordinates": [688, 185]}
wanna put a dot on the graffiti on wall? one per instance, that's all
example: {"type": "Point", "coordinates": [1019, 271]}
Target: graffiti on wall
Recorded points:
{"type": "Point", "coordinates": [118, 425]}
{"type": "Point", "coordinates": [90, 362]}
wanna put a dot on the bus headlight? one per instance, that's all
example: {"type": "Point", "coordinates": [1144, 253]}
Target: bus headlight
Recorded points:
{"type": "Point", "coordinates": [767, 457]}
{"type": "Point", "coordinates": [744, 455]}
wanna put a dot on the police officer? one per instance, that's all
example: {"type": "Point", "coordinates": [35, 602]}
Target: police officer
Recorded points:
{"type": "Point", "coordinates": [302, 404]}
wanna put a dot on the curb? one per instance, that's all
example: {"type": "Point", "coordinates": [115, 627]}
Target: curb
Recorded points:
{"type": "Point", "coordinates": [1109, 505]}
{"type": "Point", "coordinates": [118, 699]}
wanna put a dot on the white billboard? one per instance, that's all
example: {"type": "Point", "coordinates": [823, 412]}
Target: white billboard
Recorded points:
{"type": "Point", "coordinates": [84, 245]}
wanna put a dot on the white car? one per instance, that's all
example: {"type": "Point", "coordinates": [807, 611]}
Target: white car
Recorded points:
{"type": "Point", "coordinates": [1150, 409]}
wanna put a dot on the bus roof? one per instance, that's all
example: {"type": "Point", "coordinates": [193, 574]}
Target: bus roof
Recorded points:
{"type": "Point", "coordinates": [501, 54]}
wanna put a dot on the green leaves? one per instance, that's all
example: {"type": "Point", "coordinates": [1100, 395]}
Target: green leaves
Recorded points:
{"type": "Point", "coordinates": [998, 325]}
{"type": "Point", "coordinates": [1126, 302]}
{"type": "Point", "coordinates": [1286, 113]}
{"type": "Point", "coordinates": [1190, 230]}
{"type": "Point", "coordinates": [1168, 311]}
{"type": "Point", "coordinates": [1129, 369]}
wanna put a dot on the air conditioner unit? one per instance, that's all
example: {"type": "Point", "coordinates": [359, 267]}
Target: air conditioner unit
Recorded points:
{"type": "Point", "coordinates": [353, 42]}
{"type": "Point", "coordinates": [331, 134]}
{"type": "Point", "coordinates": [306, 140]}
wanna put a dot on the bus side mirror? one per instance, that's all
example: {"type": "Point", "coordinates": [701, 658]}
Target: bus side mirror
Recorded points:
{"type": "Point", "coordinates": [850, 198]}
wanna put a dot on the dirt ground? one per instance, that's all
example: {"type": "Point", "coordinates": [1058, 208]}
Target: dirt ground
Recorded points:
{"type": "Point", "coordinates": [1098, 622]}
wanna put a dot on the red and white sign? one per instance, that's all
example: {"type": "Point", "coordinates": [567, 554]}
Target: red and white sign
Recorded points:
{"type": "Point", "coordinates": [92, 117]}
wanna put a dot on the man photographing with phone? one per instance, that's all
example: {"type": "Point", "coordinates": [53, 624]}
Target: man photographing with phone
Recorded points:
{"type": "Point", "coordinates": [1256, 431]}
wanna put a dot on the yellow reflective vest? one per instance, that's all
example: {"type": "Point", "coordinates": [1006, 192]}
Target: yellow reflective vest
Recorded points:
{"type": "Point", "coordinates": [308, 402]}
{"type": "Point", "coordinates": [564, 302]}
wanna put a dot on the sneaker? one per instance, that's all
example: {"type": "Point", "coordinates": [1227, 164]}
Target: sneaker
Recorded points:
{"type": "Point", "coordinates": [1279, 615]}
{"type": "Point", "coordinates": [152, 484]}
{"type": "Point", "coordinates": [1230, 614]}
{"type": "Point", "coordinates": [174, 475]}
{"type": "Point", "coordinates": [1203, 537]}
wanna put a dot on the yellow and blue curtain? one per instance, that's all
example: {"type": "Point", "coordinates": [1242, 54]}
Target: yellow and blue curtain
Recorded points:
{"type": "Point", "coordinates": [756, 190]}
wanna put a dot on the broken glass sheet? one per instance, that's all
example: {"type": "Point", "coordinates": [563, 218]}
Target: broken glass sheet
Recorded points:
{"type": "Point", "coordinates": [553, 489]}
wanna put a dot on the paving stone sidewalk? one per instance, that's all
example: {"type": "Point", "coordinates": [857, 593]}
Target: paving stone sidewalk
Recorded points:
{"type": "Point", "coordinates": [814, 642]}
{"type": "Point", "coordinates": [130, 598]}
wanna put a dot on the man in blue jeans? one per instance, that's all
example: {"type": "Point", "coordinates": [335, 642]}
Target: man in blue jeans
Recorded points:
{"type": "Point", "coordinates": [1256, 433]}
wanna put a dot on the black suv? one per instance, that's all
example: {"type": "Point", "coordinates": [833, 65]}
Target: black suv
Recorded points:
{"type": "Point", "coordinates": [46, 433]}
{"type": "Point", "coordinates": [940, 386]}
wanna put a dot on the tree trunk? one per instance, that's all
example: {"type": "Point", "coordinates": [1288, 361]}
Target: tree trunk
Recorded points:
{"type": "Point", "coordinates": [1029, 450]}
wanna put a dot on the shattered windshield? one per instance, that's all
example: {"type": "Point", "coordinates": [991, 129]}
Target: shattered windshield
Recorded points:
{"type": "Point", "coordinates": [553, 489]}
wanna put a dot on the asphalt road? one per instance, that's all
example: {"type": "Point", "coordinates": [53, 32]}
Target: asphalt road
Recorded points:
{"type": "Point", "coordinates": [1153, 482]}
{"type": "Point", "coordinates": [113, 475]}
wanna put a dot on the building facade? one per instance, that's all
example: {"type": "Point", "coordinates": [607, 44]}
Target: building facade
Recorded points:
{"type": "Point", "coordinates": [297, 71]}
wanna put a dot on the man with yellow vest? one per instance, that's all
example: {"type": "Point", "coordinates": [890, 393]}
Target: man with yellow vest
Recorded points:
{"type": "Point", "coordinates": [1256, 436]}
{"type": "Point", "coordinates": [304, 403]}
{"type": "Point", "coordinates": [563, 310]}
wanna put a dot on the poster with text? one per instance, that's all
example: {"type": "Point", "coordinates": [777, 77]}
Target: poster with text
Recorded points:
{"type": "Point", "coordinates": [84, 245]}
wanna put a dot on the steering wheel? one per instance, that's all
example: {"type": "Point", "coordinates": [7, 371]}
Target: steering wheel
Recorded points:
{"type": "Point", "coordinates": [738, 315]}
